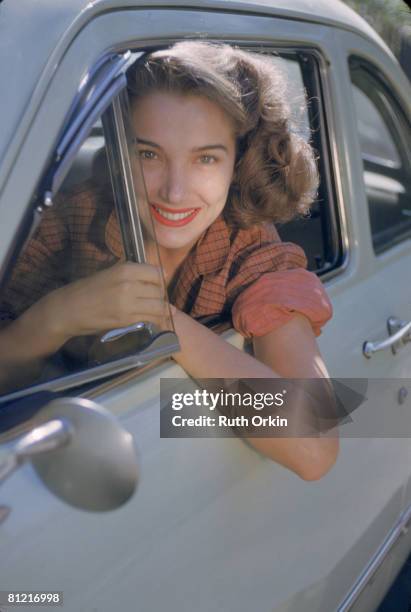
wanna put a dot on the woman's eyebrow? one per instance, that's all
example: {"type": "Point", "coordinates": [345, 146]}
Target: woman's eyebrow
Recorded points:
{"type": "Point", "coordinates": [211, 146]}
{"type": "Point", "coordinates": [149, 143]}
{"type": "Point", "coordinates": [146, 142]}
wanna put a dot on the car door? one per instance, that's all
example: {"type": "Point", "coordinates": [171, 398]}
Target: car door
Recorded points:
{"type": "Point", "coordinates": [212, 524]}
{"type": "Point", "coordinates": [91, 148]}
{"type": "Point", "coordinates": [371, 304]}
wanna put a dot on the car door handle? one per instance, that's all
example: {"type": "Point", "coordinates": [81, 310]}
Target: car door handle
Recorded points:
{"type": "Point", "coordinates": [120, 332]}
{"type": "Point", "coordinates": [80, 452]}
{"type": "Point", "coordinates": [402, 335]}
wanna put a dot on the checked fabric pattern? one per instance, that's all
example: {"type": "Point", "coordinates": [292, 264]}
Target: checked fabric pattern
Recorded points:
{"type": "Point", "coordinates": [248, 274]}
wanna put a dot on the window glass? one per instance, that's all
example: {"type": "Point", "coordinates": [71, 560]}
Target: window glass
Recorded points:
{"type": "Point", "coordinates": [78, 240]}
{"type": "Point", "coordinates": [316, 234]}
{"type": "Point", "coordinates": [385, 137]}
{"type": "Point", "coordinates": [296, 95]}
{"type": "Point", "coordinates": [376, 141]}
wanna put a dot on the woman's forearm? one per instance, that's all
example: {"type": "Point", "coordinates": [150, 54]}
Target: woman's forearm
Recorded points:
{"type": "Point", "coordinates": [25, 344]}
{"type": "Point", "coordinates": [19, 363]}
{"type": "Point", "coordinates": [205, 355]}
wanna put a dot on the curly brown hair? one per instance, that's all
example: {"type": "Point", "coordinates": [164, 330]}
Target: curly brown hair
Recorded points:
{"type": "Point", "coordinates": [275, 175]}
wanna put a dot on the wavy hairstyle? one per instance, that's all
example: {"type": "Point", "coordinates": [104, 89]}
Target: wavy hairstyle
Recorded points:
{"type": "Point", "coordinates": [275, 176]}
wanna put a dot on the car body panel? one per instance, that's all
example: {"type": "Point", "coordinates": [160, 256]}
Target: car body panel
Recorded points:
{"type": "Point", "coordinates": [38, 62]}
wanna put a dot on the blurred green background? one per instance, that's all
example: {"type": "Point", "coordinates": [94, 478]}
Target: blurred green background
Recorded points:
{"type": "Point", "coordinates": [392, 20]}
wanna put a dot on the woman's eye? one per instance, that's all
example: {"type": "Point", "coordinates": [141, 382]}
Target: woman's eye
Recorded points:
{"type": "Point", "coordinates": [208, 159]}
{"type": "Point", "coordinates": [146, 154]}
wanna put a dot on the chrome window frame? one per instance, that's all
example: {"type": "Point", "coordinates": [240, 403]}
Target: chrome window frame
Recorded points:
{"type": "Point", "coordinates": [121, 178]}
{"type": "Point", "coordinates": [397, 119]}
{"type": "Point", "coordinates": [320, 118]}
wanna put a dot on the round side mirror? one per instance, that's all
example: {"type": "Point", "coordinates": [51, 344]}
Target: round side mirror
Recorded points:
{"type": "Point", "coordinates": [96, 469]}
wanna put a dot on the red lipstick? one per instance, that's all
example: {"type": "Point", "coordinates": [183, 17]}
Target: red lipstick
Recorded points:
{"type": "Point", "coordinates": [173, 222]}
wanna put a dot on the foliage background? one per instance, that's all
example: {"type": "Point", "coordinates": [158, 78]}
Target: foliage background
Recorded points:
{"type": "Point", "coordinates": [391, 19]}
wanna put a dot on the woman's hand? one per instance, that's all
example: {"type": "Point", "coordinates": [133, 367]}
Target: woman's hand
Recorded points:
{"type": "Point", "coordinates": [115, 297]}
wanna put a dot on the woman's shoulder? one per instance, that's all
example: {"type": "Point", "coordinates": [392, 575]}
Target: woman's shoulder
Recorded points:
{"type": "Point", "coordinates": [82, 211]}
{"type": "Point", "coordinates": [256, 235]}
{"type": "Point", "coordinates": [260, 246]}
{"type": "Point", "coordinates": [271, 283]}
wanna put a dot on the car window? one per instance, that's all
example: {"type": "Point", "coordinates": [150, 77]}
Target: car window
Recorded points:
{"type": "Point", "coordinates": [377, 144]}
{"type": "Point", "coordinates": [86, 230]}
{"type": "Point", "coordinates": [384, 136]}
{"type": "Point", "coordinates": [317, 234]}
{"type": "Point", "coordinates": [78, 237]}
{"type": "Point", "coordinates": [296, 93]}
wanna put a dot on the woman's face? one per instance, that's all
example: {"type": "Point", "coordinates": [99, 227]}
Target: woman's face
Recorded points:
{"type": "Point", "coordinates": [187, 149]}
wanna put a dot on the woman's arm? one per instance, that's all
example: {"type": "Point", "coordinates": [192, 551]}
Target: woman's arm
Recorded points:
{"type": "Point", "coordinates": [27, 342]}
{"type": "Point", "coordinates": [114, 297]}
{"type": "Point", "coordinates": [292, 352]}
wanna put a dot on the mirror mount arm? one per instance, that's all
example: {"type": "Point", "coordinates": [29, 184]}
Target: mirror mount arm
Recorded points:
{"type": "Point", "coordinates": [47, 437]}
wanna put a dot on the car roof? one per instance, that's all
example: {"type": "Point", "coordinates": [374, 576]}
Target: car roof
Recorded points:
{"type": "Point", "coordinates": [34, 35]}
{"type": "Point", "coordinates": [63, 15]}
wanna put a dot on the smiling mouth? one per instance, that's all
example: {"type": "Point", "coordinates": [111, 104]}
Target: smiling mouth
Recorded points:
{"type": "Point", "coordinates": [175, 218]}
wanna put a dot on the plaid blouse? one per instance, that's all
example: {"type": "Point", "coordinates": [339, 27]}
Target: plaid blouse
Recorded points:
{"type": "Point", "coordinates": [248, 274]}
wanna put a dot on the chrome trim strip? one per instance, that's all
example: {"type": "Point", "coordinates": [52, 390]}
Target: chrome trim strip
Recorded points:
{"type": "Point", "coordinates": [380, 161]}
{"type": "Point", "coordinates": [89, 76]}
{"type": "Point", "coordinates": [122, 179]}
{"type": "Point", "coordinates": [118, 381]}
{"type": "Point", "coordinates": [63, 166]}
{"type": "Point", "coordinates": [328, 143]}
{"type": "Point", "coordinates": [218, 327]}
{"type": "Point", "coordinates": [163, 345]}
{"type": "Point", "coordinates": [112, 68]}
{"type": "Point", "coordinates": [329, 125]}
{"type": "Point", "coordinates": [376, 561]}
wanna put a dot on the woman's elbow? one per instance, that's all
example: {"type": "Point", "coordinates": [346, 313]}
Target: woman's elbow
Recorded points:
{"type": "Point", "coordinates": [317, 458]}
{"type": "Point", "coordinates": [308, 458]}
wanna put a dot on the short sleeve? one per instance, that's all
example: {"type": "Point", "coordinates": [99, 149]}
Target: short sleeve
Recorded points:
{"type": "Point", "coordinates": [273, 299]}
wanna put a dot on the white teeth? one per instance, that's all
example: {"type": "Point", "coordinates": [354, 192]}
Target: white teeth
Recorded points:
{"type": "Point", "coordinates": [173, 216]}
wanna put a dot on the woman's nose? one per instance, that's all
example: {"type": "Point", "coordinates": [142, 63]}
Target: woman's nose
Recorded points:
{"type": "Point", "coordinates": [174, 184]}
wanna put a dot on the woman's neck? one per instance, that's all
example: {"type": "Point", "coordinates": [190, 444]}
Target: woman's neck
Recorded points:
{"type": "Point", "coordinates": [171, 260]}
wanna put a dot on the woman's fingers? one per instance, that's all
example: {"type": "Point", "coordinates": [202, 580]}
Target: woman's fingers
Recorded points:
{"type": "Point", "coordinates": [114, 297]}
{"type": "Point", "coordinates": [148, 291]}
{"type": "Point", "coordinates": [138, 272]}
{"type": "Point", "coordinates": [147, 310]}
{"type": "Point", "coordinates": [150, 307]}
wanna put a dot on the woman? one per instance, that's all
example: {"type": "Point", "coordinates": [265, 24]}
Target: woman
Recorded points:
{"type": "Point", "coordinates": [211, 128]}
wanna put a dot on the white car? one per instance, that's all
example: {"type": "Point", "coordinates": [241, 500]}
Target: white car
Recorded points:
{"type": "Point", "coordinates": [212, 525]}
